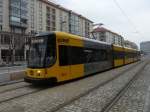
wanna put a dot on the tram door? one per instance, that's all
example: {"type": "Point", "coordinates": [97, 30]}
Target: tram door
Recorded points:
{"type": "Point", "coordinates": [64, 65]}
{"type": "Point", "coordinates": [76, 62]}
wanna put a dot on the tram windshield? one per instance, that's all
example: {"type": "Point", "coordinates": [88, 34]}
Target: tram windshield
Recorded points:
{"type": "Point", "coordinates": [42, 52]}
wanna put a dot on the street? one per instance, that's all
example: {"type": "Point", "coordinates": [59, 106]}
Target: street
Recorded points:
{"type": "Point", "coordinates": [91, 94]}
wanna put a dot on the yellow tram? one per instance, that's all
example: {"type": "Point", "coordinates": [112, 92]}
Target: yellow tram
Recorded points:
{"type": "Point", "coordinates": [59, 56]}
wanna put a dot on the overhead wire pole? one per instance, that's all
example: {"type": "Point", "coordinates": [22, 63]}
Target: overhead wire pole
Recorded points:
{"type": "Point", "coordinates": [128, 19]}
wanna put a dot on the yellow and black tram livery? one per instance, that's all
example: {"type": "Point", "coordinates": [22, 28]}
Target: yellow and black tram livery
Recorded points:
{"type": "Point", "coordinates": [59, 56]}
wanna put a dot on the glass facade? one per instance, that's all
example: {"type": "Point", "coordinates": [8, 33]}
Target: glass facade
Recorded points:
{"type": "Point", "coordinates": [32, 12]}
{"type": "Point", "coordinates": [74, 24]}
{"type": "Point", "coordinates": [18, 15]}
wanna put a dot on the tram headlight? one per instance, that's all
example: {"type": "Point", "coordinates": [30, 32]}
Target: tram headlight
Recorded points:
{"type": "Point", "coordinates": [38, 72]}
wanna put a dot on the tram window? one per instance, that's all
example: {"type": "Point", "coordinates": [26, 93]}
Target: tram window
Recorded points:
{"type": "Point", "coordinates": [88, 55]}
{"type": "Point", "coordinates": [99, 55]}
{"type": "Point", "coordinates": [51, 54]}
{"type": "Point", "coordinates": [76, 55]}
{"type": "Point", "coordinates": [104, 55]}
{"type": "Point", "coordinates": [118, 55]}
{"type": "Point", "coordinates": [128, 55]}
{"type": "Point", "coordinates": [95, 55]}
{"type": "Point", "coordinates": [63, 55]}
{"type": "Point", "coordinates": [70, 55]}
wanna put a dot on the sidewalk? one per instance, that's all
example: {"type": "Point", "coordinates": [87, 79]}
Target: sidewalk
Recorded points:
{"type": "Point", "coordinates": [11, 73]}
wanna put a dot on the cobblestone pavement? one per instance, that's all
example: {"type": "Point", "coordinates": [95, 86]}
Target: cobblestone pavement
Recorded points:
{"type": "Point", "coordinates": [98, 99]}
{"type": "Point", "coordinates": [137, 97]}
{"type": "Point", "coordinates": [13, 86]}
{"type": "Point", "coordinates": [17, 92]}
{"type": "Point", "coordinates": [11, 68]}
{"type": "Point", "coordinates": [48, 99]}
{"type": "Point", "coordinates": [6, 71]}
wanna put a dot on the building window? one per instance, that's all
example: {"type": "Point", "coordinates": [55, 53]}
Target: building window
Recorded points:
{"type": "Point", "coordinates": [40, 5]}
{"type": "Point", "coordinates": [5, 39]}
{"type": "Point", "coordinates": [50, 19]}
{"type": "Point", "coordinates": [24, 13]}
{"type": "Point", "coordinates": [74, 24]}
{"type": "Point", "coordinates": [15, 11]}
{"type": "Point", "coordinates": [1, 18]}
{"type": "Point", "coordinates": [15, 2]}
{"type": "Point", "coordinates": [24, 3]}
{"type": "Point", "coordinates": [1, 8]}
{"type": "Point", "coordinates": [15, 19]}
{"type": "Point", "coordinates": [1, 27]}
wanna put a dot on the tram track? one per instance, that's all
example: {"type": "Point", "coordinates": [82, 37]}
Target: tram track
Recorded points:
{"type": "Point", "coordinates": [19, 92]}
{"type": "Point", "coordinates": [57, 108]}
{"type": "Point", "coordinates": [27, 90]}
{"type": "Point", "coordinates": [10, 82]}
{"type": "Point", "coordinates": [123, 90]}
{"type": "Point", "coordinates": [13, 86]}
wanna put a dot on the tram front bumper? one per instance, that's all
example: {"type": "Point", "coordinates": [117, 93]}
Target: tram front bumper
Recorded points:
{"type": "Point", "coordinates": [39, 80]}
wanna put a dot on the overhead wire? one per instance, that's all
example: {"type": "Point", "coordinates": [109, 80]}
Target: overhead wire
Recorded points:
{"type": "Point", "coordinates": [127, 17]}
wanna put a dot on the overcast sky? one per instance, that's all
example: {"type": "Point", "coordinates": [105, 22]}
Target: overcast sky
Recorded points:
{"type": "Point", "coordinates": [107, 12]}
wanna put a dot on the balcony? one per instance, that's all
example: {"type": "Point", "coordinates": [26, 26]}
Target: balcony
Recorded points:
{"type": "Point", "coordinates": [15, 5]}
{"type": "Point", "coordinates": [24, 25]}
{"type": "Point", "coordinates": [24, 17]}
{"type": "Point", "coordinates": [12, 23]}
{"type": "Point", "coordinates": [17, 24]}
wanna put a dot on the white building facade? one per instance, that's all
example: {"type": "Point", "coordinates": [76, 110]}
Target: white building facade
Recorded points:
{"type": "Point", "coordinates": [34, 16]}
{"type": "Point", "coordinates": [53, 17]}
{"type": "Point", "coordinates": [130, 44]}
{"type": "Point", "coordinates": [105, 35]}
{"type": "Point", "coordinates": [19, 18]}
{"type": "Point", "coordinates": [4, 15]}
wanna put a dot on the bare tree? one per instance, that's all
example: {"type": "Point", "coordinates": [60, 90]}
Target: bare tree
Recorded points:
{"type": "Point", "coordinates": [16, 45]}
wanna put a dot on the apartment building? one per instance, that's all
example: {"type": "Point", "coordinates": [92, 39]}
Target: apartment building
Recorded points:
{"type": "Point", "coordinates": [130, 44]}
{"type": "Point", "coordinates": [79, 25]}
{"type": "Point", "coordinates": [53, 17]}
{"type": "Point", "coordinates": [13, 26]}
{"type": "Point", "coordinates": [21, 17]}
{"type": "Point", "coordinates": [18, 19]}
{"type": "Point", "coordinates": [4, 15]}
{"type": "Point", "coordinates": [34, 16]}
{"type": "Point", "coordinates": [105, 35]}
{"type": "Point", "coordinates": [63, 20]}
